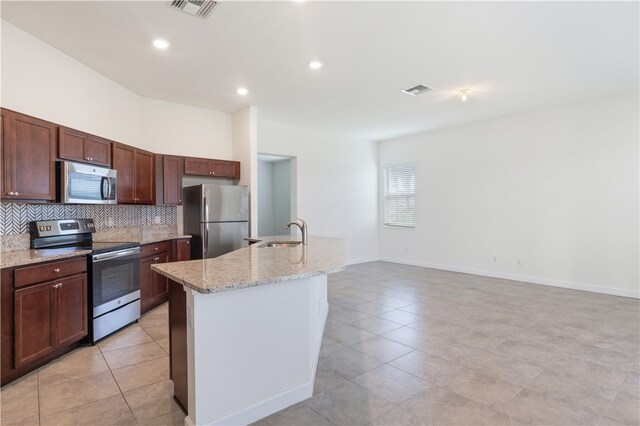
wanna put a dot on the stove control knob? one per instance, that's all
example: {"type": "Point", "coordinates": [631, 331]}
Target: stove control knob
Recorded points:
{"type": "Point", "coordinates": [41, 228]}
{"type": "Point", "coordinates": [48, 227]}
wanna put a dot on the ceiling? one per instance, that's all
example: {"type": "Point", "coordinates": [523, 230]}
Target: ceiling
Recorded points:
{"type": "Point", "coordinates": [513, 56]}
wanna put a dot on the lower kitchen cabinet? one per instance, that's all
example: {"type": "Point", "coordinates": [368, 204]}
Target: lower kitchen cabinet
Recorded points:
{"type": "Point", "coordinates": [49, 316]}
{"type": "Point", "coordinates": [43, 317]}
{"type": "Point", "coordinates": [34, 327]}
{"type": "Point", "coordinates": [153, 286]}
{"type": "Point", "coordinates": [182, 250]}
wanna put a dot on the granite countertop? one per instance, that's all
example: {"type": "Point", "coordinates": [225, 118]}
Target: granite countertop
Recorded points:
{"type": "Point", "coordinates": [253, 266]}
{"type": "Point", "coordinates": [30, 256]}
{"type": "Point", "coordinates": [21, 257]}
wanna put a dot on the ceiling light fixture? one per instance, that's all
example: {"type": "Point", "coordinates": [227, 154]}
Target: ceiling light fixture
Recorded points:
{"type": "Point", "coordinates": [314, 65]}
{"type": "Point", "coordinates": [242, 91]}
{"type": "Point", "coordinates": [464, 94]}
{"type": "Point", "coordinates": [160, 43]}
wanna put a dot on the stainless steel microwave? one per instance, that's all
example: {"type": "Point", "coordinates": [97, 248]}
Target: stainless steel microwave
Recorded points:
{"type": "Point", "coordinates": [86, 184]}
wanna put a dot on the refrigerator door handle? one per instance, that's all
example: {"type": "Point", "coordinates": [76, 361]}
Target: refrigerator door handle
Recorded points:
{"type": "Point", "coordinates": [206, 238]}
{"type": "Point", "coordinates": [206, 210]}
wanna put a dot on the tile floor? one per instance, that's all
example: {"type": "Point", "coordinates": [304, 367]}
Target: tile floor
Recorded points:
{"type": "Point", "coordinates": [402, 346]}
{"type": "Point", "coordinates": [413, 346]}
{"type": "Point", "coordinates": [124, 380]}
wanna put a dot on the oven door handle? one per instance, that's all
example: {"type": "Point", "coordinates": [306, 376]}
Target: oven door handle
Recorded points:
{"type": "Point", "coordinates": [115, 255]}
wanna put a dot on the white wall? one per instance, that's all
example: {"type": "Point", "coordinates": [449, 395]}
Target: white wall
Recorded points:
{"type": "Point", "coordinates": [274, 197]}
{"type": "Point", "coordinates": [265, 198]}
{"type": "Point", "coordinates": [556, 189]}
{"type": "Point", "coordinates": [39, 80]}
{"type": "Point", "coordinates": [245, 150]}
{"type": "Point", "coordinates": [281, 196]}
{"type": "Point", "coordinates": [336, 179]}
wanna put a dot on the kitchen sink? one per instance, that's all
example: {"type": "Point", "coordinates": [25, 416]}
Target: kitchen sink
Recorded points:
{"type": "Point", "coordinates": [274, 244]}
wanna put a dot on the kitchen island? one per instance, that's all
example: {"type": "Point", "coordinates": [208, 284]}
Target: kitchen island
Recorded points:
{"type": "Point", "coordinates": [254, 321]}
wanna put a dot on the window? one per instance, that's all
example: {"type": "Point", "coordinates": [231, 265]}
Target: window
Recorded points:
{"type": "Point", "coordinates": [400, 195]}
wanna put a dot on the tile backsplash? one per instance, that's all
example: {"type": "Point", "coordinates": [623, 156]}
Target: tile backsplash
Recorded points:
{"type": "Point", "coordinates": [15, 217]}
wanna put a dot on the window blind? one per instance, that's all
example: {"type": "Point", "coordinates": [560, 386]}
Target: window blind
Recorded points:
{"type": "Point", "coordinates": [400, 195]}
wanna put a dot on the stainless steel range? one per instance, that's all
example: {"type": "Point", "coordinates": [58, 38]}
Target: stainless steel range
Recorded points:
{"type": "Point", "coordinates": [114, 271]}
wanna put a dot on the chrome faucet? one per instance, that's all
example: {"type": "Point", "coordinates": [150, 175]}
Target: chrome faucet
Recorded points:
{"type": "Point", "coordinates": [303, 229]}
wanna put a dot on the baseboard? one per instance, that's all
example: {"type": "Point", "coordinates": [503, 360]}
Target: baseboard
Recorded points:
{"type": "Point", "coordinates": [522, 278]}
{"type": "Point", "coordinates": [361, 260]}
{"type": "Point", "coordinates": [268, 406]}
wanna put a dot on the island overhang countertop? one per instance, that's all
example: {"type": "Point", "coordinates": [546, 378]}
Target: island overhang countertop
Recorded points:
{"type": "Point", "coordinates": [254, 265]}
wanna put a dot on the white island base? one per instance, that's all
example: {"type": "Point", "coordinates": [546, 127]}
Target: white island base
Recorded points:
{"type": "Point", "coordinates": [253, 351]}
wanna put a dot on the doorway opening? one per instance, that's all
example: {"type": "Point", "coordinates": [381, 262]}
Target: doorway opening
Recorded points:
{"type": "Point", "coordinates": [276, 194]}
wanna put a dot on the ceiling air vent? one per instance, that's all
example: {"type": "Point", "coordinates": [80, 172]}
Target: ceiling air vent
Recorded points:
{"type": "Point", "coordinates": [417, 90]}
{"type": "Point", "coordinates": [201, 8]}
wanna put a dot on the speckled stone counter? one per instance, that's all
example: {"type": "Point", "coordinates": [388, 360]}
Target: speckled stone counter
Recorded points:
{"type": "Point", "coordinates": [14, 249]}
{"type": "Point", "coordinates": [26, 257]}
{"type": "Point", "coordinates": [254, 266]}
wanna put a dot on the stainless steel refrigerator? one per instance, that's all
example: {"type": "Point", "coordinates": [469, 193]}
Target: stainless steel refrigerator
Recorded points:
{"type": "Point", "coordinates": [217, 216]}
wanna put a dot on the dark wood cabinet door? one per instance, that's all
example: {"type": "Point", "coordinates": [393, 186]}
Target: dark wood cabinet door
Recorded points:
{"type": "Point", "coordinates": [71, 323]}
{"type": "Point", "coordinates": [183, 250]}
{"type": "Point", "coordinates": [226, 169]}
{"type": "Point", "coordinates": [144, 177]}
{"type": "Point", "coordinates": [160, 282]}
{"type": "Point", "coordinates": [29, 151]}
{"type": "Point", "coordinates": [71, 144]}
{"type": "Point", "coordinates": [98, 150]}
{"type": "Point", "coordinates": [123, 160]}
{"type": "Point", "coordinates": [171, 179]}
{"type": "Point", "coordinates": [34, 315]}
{"type": "Point", "coordinates": [197, 166]}
{"type": "Point", "coordinates": [146, 284]}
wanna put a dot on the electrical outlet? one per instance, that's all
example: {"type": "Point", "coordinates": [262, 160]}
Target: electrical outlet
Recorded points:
{"type": "Point", "coordinates": [519, 262]}
{"type": "Point", "coordinates": [110, 222]}
{"type": "Point", "coordinates": [156, 220]}
{"type": "Point", "coordinates": [406, 250]}
{"type": "Point", "coordinates": [495, 259]}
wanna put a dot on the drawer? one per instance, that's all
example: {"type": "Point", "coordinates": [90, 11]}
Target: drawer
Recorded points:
{"type": "Point", "coordinates": [155, 248]}
{"type": "Point", "coordinates": [50, 271]}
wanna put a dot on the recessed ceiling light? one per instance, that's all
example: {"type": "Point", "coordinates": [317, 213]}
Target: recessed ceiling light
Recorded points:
{"type": "Point", "coordinates": [160, 43]}
{"type": "Point", "coordinates": [314, 65]}
{"type": "Point", "coordinates": [464, 92]}
{"type": "Point", "coordinates": [242, 91]}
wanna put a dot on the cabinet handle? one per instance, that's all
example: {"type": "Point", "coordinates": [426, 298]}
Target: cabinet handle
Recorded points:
{"type": "Point", "coordinates": [57, 285]}
{"type": "Point", "coordinates": [156, 259]}
{"type": "Point", "coordinates": [90, 158]}
{"type": "Point", "coordinates": [17, 193]}
{"type": "Point", "coordinates": [156, 248]}
{"type": "Point", "coordinates": [87, 158]}
{"type": "Point", "coordinates": [56, 270]}
{"type": "Point", "coordinates": [12, 193]}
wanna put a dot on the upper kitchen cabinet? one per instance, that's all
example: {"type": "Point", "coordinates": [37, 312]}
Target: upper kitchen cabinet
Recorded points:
{"type": "Point", "coordinates": [135, 174]}
{"type": "Point", "coordinates": [168, 179]}
{"type": "Point", "coordinates": [213, 168]}
{"type": "Point", "coordinates": [75, 145]}
{"type": "Point", "coordinates": [28, 157]}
